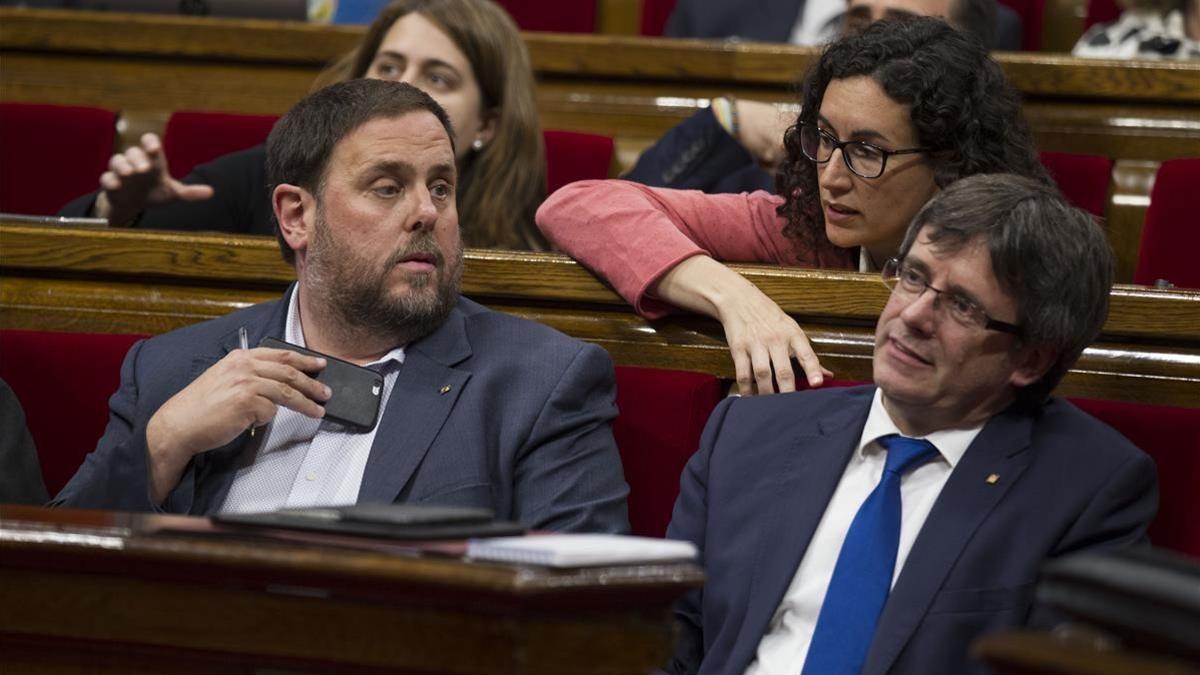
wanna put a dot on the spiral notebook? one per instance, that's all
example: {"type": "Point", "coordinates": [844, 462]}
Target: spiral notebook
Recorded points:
{"type": "Point", "coordinates": [580, 550]}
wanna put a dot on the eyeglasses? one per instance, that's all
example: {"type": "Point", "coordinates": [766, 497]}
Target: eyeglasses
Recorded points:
{"type": "Point", "coordinates": [903, 278]}
{"type": "Point", "coordinates": [862, 158]}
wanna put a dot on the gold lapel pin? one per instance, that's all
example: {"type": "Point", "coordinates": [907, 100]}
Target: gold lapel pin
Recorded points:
{"type": "Point", "coordinates": [445, 389]}
{"type": "Point", "coordinates": [993, 478]}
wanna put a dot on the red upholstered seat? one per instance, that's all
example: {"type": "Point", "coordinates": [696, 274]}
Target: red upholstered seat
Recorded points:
{"type": "Point", "coordinates": [1032, 13]}
{"type": "Point", "coordinates": [51, 154]}
{"type": "Point", "coordinates": [1172, 437]}
{"type": "Point", "coordinates": [572, 156]}
{"type": "Point", "coordinates": [193, 138]}
{"type": "Point", "coordinates": [552, 15]}
{"type": "Point", "coordinates": [1083, 179]}
{"type": "Point", "coordinates": [1101, 11]}
{"type": "Point", "coordinates": [63, 381]}
{"type": "Point", "coordinates": [654, 16]}
{"type": "Point", "coordinates": [662, 413]}
{"type": "Point", "coordinates": [1171, 233]}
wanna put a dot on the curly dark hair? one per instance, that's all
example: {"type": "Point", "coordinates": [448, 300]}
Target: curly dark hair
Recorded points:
{"type": "Point", "coordinates": [960, 104]}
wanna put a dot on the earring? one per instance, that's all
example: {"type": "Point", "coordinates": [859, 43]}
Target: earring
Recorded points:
{"type": "Point", "coordinates": [477, 145]}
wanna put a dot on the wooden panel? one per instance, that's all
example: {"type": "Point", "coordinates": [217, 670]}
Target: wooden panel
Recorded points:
{"type": "Point", "coordinates": [148, 282]}
{"type": "Point", "coordinates": [586, 59]}
{"type": "Point", "coordinates": [608, 56]}
{"type": "Point", "coordinates": [74, 581]}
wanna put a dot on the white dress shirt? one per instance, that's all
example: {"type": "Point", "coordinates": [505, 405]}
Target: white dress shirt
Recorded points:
{"type": "Point", "coordinates": [818, 22]}
{"type": "Point", "coordinates": [785, 645]}
{"type": "Point", "coordinates": [305, 461]}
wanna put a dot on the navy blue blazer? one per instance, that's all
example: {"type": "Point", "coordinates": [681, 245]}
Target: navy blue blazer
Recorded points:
{"type": "Point", "coordinates": [752, 496]}
{"type": "Point", "coordinates": [698, 154]}
{"type": "Point", "coordinates": [524, 428]}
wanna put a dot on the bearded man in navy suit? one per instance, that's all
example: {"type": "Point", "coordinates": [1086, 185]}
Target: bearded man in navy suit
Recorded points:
{"type": "Point", "coordinates": [477, 408]}
{"type": "Point", "coordinates": [824, 555]}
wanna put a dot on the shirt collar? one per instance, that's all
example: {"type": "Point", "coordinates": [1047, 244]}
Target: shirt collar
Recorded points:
{"type": "Point", "coordinates": [952, 444]}
{"type": "Point", "coordinates": [864, 260]}
{"type": "Point", "coordinates": [865, 264]}
{"type": "Point", "coordinates": [293, 332]}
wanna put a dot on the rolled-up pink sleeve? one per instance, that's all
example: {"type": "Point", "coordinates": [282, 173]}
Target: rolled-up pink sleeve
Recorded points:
{"type": "Point", "coordinates": [630, 234]}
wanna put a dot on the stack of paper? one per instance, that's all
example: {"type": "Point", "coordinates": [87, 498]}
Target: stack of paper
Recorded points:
{"type": "Point", "coordinates": [580, 550]}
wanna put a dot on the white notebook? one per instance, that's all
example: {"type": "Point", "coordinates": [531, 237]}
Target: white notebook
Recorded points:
{"type": "Point", "coordinates": [580, 550]}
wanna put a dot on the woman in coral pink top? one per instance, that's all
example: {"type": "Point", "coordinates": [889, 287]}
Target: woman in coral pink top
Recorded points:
{"type": "Point", "coordinates": [889, 117]}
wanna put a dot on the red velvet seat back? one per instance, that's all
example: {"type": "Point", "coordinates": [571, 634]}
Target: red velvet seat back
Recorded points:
{"type": "Point", "coordinates": [662, 413]}
{"type": "Point", "coordinates": [1101, 11]}
{"type": "Point", "coordinates": [193, 138]}
{"type": "Point", "coordinates": [51, 154]}
{"type": "Point", "coordinates": [574, 16]}
{"type": "Point", "coordinates": [654, 16]}
{"type": "Point", "coordinates": [572, 156]}
{"type": "Point", "coordinates": [63, 381]}
{"type": "Point", "coordinates": [1172, 437]}
{"type": "Point", "coordinates": [1083, 179]}
{"type": "Point", "coordinates": [1171, 233]}
{"type": "Point", "coordinates": [1032, 13]}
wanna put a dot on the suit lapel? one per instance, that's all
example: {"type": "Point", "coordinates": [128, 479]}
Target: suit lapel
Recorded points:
{"type": "Point", "coordinates": [426, 389]}
{"type": "Point", "coordinates": [1002, 448]}
{"type": "Point", "coordinates": [216, 469]}
{"type": "Point", "coordinates": [814, 466]}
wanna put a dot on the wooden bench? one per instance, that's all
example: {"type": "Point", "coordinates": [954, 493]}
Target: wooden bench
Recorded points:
{"type": "Point", "coordinates": [122, 281]}
{"type": "Point", "coordinates": [101, 281]}
{"type": "Point", "coordinates": [632, 89]}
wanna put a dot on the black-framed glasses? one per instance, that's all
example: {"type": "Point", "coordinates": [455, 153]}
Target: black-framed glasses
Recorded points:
{"type": "Point", "coordinates": [901, 277]}
{"type": "Point", "coordinates": [864, 159]}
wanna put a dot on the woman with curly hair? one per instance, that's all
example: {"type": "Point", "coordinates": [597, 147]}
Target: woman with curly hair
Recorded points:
{"type": "Point", "coordinates": [889, 117]}
{"type": "Point", "coordinates": [466, 54]}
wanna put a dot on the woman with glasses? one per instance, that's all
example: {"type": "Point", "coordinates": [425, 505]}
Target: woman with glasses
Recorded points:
{"type": "Point", "coordinates": [888, 118]}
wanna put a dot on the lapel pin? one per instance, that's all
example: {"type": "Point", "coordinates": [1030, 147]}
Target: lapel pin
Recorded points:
{"type": "Point", "coordinates": [445, 389]}
{"type": "Point", "coordinates": [993, 478]}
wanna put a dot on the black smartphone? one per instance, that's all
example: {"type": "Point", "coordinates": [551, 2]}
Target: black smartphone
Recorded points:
{"type": "Point", "coordinates": [356, 390]}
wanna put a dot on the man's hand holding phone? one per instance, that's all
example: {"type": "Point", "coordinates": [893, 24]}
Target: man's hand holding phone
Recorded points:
{"type": "Point", "coordinates": [241, 391]}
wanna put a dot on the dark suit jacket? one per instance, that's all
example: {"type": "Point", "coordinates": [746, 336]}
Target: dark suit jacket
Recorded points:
{"type": "Point", "coordinates": [752, 496]}
{"type": "Point", "coordinates": [20, 472]}
{"type": "Point", "coordinates": [698, 154]}
{"type": "Point", "coordinates": [524, 428]}
{"type": "Point", "coordinates": [774, 20]}
{"type": "Point", "coordinates": [240, 203]}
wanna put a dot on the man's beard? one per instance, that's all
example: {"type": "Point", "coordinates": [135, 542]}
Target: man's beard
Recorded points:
{"type": "Point", "coordinates": [355, 293]}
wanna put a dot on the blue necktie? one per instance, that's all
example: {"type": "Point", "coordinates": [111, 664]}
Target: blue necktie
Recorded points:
{"type": "Point", "coordinates": [862, 577]}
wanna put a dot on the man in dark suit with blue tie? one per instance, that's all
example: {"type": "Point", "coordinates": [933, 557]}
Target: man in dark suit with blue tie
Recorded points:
{"type": "Point", "coordinates": [476, 408]}
{"type": "Point", "coordinates": [881, 529]}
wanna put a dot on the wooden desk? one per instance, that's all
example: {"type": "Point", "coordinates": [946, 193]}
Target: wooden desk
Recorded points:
{"type": "Point", "coordinates": [1026, 652]}
{"type": "Point", "coordinates": [121, 281]}
{"type": "Point", "coordinates": [633, 89]}
{"type": "Point", "coordinates": [94, 591]}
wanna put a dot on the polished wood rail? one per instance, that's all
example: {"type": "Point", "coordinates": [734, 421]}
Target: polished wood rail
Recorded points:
{"type": "Point", "coordinates": [106, 280]}
{"type": "Point", "coordinates": [97, 591]}
{"type": "Point", "coordinates": [631, 88]}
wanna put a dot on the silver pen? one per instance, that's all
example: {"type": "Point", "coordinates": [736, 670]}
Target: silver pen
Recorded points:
{"type": "Point", "coordinates": [244, 343]}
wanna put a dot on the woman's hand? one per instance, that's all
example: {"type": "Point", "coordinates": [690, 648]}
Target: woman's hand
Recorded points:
{"type": "Point", "coordinates": [138, 178]}
{"type": "Point", "coordinates": [762, 337]}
